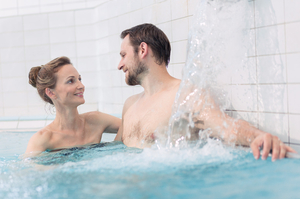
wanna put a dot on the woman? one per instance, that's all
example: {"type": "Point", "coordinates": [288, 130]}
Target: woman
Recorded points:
{"type": "Point", "coordinates": [59, 84]}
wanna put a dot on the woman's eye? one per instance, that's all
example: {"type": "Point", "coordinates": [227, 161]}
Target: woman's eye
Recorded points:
{"type": "Point", "coordinates": [79, 79]}
{"type": "Point", "coordinates": [70, 81]}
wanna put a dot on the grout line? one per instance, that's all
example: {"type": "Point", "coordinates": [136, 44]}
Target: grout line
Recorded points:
{"type": "Point", "coordinates": [286, 70]}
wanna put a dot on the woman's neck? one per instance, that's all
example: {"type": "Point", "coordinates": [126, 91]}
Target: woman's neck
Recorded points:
{"type": "Point", "coordinates": [67, 119]}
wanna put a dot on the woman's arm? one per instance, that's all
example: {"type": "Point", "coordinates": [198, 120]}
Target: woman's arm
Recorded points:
{"type": "Point", "coordinates": [38, 143]}
{"type": "Point", "coordinates": [109, 123]}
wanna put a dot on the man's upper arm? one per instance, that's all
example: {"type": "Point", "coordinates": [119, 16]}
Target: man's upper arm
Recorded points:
{"type": "Point", "coordinates": [128, 103]}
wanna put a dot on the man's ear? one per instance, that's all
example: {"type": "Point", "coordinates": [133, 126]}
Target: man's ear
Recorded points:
{"type": "Point", "coordinates": [144, 49]}
{"type": "Point", "coordinates": [50, 93]}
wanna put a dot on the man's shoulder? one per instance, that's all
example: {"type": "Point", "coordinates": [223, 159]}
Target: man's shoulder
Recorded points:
{"type": "Point", "coordinates": [132, 99]}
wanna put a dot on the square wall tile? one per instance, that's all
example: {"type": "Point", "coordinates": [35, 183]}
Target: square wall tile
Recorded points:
{"type": "Point", "coordinates": [13, 69]}
{"type": "Point", "coordinates": [14, 54]}
{"type": "Point", "coordinates": [29, 10]}
{"type": "Point", "coordinates": [37, 37]}
{"type": "Point", "coordinates": [167, 29]}
{"type": "Point", "coordinates": [136, 18]}
{"type": "Point", "coordinates": [103, 46]}
{"type": "Point", "coordinates": [293, 67]}
{"type": "Point", "coordinates": [127, 92]}
{"type": "Point", "coordinates": [87, 48]}
{"type": "Point", "coordinates": [179, 9]}
{"type": "Point", "coordinates": [27, 3]}
{"type": "Point", "coordinates": [89, 80]}
{"type": "Point", "coordinates": [292, 10]}
{"type": "Point", "coordinates": [147, 2]}
{"type": "Point", "coordinates": [14, 84]}
{"type": "Point", "coordinates": [4, 4]}
{"type": "Point", "coordinates": [276, 124]}
{"type": "Point", "coordinates": [46, 2]}
{"type": "Point", "coordinates": [91, 95]}
{"type": "Point", "coordinates": [11, 24]}
{"type": "Point", "coordinates": [35, 22]}
{"type": "Point", "coordinates": [177, 68]}
{"type": "Point", "coordinates": [61, 35]}
{"type": "Point", "coordinates": [12, 39]}
{"type": "Point", "coordinates": [85, 16]}
{"type": "Point", "coordinates": [192, 6]}
{"type": "Point", "coordinates": [294, 98]}
{"type": "Point", "coordinates": [269, 12]}
{"type": "Point", "coordinates": [271, 69]}
{"type": "Point", "coordinates": [14, 99]}
{"type": "Point", "coordinates": [180, 29]}
{"type": "Point", "coordinates": [111, 24]}
{"type": "Point", "coordinates": [102, 11]}
{"type": "Point", "coordinates": [34, 98]}
{"type": "Point", "coordinates": [86, 32]}
{"type": "Point", "coordinates": [244, 97]}
{"type": "Point", "coordinates": [37, 53]}
{"type": "Point", "coordinates": [61, 19]}
{"type": "Point", "coordinates": [104, 28]}
{"type": "Point", "coordinates": [123, 22]}
{"type": "Point", "coordinates": [74, 5]}
{"type": "Point", "coordinates": [163, 11]}
{"type": "Point", "coordinates": [292, 37]}
{"type": "Point", "coordinates": [88, 108]}
{"type": "Point", "coordinates": [87, 64]}
{"type": "Point", "coordinates": [9, 12]}
{"type": "Point", "coordinates": [272, 98]}
{"type": "Point", "coordinates": [51, 8]}
{"type": "Point", "coordinates": [179, 50]}
{"type": "Point", "coordinates": [149, 14]}
{"type": "Point", "coordinates": [64, 49]}
{"type": "Point", "coordinates": [117, 95]}
{"type": "Point", "coordinates": [135, 4]}
{"type": "Point", "coordinates": [294, 123]}
{"type": "Point", "coordinates": [270, 40]}
{"type": "Point", "coordinates": [116, 78]}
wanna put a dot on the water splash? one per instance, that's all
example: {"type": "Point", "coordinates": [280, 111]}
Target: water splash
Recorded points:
{"type": "Point", "coordinates": [219, 43]}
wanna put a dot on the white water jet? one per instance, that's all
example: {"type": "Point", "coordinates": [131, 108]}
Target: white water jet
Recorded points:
{"type": "Point", "coordinates": [220, 56]}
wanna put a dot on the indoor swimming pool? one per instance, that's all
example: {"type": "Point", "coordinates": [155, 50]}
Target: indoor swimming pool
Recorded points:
{"type": "Point", "coordinates": [112, 170]}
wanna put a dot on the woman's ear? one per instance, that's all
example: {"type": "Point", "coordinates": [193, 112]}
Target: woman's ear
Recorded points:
{"type": "Point", "coordinates": [143, 49]}
{"type": "Point", "coordinates": [50, 93]}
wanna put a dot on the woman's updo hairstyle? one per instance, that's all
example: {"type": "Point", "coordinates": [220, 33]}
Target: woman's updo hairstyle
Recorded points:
{"type": "Point", "coordinates": [42, 77]}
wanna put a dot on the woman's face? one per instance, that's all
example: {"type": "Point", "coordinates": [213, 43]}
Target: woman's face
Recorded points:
{"type": "Point", "coordinates": [69, 89]}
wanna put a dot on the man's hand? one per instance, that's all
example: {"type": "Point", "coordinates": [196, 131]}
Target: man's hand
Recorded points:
{"type": "Point", "coordinates": [268, 142]}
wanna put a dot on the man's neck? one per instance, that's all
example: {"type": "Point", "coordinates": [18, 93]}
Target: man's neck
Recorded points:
{"type": "Point", "coordinates": [156, 80]}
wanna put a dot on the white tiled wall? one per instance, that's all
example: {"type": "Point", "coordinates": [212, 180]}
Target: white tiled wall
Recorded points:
{"type": "Point", "coordinates": [32, 32]}
{"type": "Point", "coordinates": [273, 97]}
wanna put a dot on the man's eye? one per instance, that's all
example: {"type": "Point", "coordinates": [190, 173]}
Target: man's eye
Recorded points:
{"type": "Point", "coordinates": [79, 79]}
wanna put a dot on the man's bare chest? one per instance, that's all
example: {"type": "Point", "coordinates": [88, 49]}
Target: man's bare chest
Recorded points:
{"type": "Point", "coordinates": [142, 120]}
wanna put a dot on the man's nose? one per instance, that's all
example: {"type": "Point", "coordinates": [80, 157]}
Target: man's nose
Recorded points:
{"type": "Point", "coordinates": [120, 66]}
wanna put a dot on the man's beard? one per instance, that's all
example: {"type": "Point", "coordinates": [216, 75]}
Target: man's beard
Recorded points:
{"type": "Point", "coordinates": [133, 75]}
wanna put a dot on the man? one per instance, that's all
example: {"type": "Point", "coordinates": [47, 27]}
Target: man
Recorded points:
{"type": "Point", "coordinates": [145, 54]}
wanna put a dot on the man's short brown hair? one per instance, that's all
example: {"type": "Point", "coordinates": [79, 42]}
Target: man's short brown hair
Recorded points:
{"type": "Point", "coordinates": [154, 37]}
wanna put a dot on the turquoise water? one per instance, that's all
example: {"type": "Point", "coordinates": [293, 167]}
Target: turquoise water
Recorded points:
{"type": "Point", "coordinates": [112, 170]}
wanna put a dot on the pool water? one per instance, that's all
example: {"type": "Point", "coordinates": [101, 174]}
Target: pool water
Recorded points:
{"type": "Point", "coordinates": [112, 170]}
